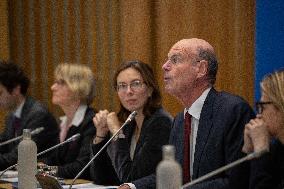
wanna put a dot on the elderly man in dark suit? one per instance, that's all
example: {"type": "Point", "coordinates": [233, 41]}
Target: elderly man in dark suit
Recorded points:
{"type": "Point", "coordinates": [24, 113]}
{"type": "Point", "coordinates": [208, 133]}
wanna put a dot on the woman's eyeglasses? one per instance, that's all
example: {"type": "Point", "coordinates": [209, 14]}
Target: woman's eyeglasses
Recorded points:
{"type": "Point", "coordinates": [60, 82]}
{"type": "Point", "coordinates": [134, 85]}
{"type": "Point", "coordinates": [260, 106]}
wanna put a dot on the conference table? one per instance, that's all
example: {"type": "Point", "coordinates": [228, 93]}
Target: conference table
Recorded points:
{"type": "Point", "coordinates": [10, 181]}
{"type": "Point", "coordinates": [77, 186]}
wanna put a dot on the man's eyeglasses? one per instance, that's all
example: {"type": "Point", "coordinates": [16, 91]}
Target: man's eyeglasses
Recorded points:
{"type": "Point", "coordinates": [134, 85]}
{"type": "Point", "coordinates": [176, 59]}
{"type": "Point", "coordinates": [260, 106]}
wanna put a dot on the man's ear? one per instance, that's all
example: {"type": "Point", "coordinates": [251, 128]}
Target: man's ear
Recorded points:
{"type": "Point", "coordinates": [16, 91]}
{"type": "Point", "coordinates": [203, 68]}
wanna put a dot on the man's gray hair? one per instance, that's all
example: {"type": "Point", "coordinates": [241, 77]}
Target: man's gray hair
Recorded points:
{"type": "Point", "coordinates": [210, 57]}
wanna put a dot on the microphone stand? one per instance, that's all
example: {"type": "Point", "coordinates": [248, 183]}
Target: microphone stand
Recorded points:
{"type": "Point", "coordinates": [130, 117]}
{"type": "Point", "coordinates": [74, 137]}
{"type": "Point", "coordinates": [34, 132]}
{"type": "Point", "coordinates": [224, 168]}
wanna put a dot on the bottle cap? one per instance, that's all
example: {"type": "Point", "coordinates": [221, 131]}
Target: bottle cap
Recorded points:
{"type": "Point", "coordinates": [26, 133]}
{"type": "Point", "coordinates": [168, 151]}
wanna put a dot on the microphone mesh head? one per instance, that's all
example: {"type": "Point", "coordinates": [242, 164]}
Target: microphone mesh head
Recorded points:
{"type": "Point", "coordinates": [75, 137]}
{"type": "Point", "coordinates": [37, 130]}
{"type": "Point", "coordinates": [132, 115]}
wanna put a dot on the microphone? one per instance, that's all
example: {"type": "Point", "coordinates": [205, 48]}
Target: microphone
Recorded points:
{"type": "Point", "coordinates": [72, 138]}
{"type": "Point", "coordinates": [128, 120]}
{"type": "Point", "coordinates": [37, 131]}
{"type": "Point", "coordinates": [226, 167]}
{"type": "Point", "coordinates": [34, 132]}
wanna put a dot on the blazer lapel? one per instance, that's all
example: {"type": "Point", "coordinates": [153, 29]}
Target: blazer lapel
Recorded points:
{"type": "Point", "coordinates": [129, 130]}
{"type": "Point", "coordinates": [9, 127]}
{"type": "Point", "coordinates": [204, 127]}
{"type": "Point", "coordinates": [25, 111]}
{"type": "Point", "coordinates": [177, 141]}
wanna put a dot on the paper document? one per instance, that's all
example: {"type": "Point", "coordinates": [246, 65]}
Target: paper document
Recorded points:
{"type": "Point", "coordinates": [9, 174]}
{"type": "Point", "coordinates": [90, 186]}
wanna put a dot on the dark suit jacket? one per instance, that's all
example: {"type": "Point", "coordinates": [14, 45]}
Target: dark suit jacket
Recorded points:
{"type": "Point", "coordinates": [219, 140]}
{"type": "Point", "coordinates": [33, 115]}
{"type": "Point", "coordinates": [267, 172]}
{"type": "Point", "coordinates": [73, 156]}
{"type": "Point", "coordinates": [148, 152]}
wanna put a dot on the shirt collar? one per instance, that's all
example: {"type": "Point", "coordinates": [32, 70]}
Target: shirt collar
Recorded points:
{"type": "Point", "coordinates": [196, 107]}
{"type": "Point", "coordinates": [78, 116]}
{"type": "Point", "coordinates": [19, 110]}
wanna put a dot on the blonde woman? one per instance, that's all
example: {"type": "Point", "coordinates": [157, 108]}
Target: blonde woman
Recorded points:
{"type": "Point", "coordinates": [73, 92]}
{"type": "Point", "coordinates": [266, 132]}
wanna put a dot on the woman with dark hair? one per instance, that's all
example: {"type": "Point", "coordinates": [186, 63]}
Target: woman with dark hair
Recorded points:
{"type": "Point", "coordinates": [137, 150]}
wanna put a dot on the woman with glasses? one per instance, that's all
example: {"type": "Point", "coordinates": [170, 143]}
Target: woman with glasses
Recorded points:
{"type": "Point", "coordinates": [137, 150]}
{"type": "Point", "coordinates": [73, 92]}
{"type": "Point", "coordinates": [266, 133]}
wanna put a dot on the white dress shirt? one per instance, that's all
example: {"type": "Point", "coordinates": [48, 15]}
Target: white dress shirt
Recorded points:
{"type": "Point", "coordinates": [19, 110]}
{"type": "Point", "coordinates": [195, 111]}
{"type": "Point", "coordinates": [76, 121]}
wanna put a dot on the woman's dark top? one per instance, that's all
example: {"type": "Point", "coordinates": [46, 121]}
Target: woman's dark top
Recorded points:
{"type": "Point", "coordinates": [267, 172]}
{"type": "Point", "coordinates": [73, 156]}
{"type": "Point", "coordinates": [116, 166]}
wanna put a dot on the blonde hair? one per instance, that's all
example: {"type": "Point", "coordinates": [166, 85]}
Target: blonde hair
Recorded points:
{"type": "Point", "coordinates": [79, 78]}
{"type": "Point", "coordinates": [272, 86]}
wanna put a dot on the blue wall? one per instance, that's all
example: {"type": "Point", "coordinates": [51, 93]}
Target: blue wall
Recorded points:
{"type": "Point", "coordinates": [269, 39]}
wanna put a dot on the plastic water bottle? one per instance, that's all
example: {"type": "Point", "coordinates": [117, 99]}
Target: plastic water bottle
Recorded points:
{"type": "Point", "coordinates": [27, 162]}
{"type": "Point", "coordinates": [169, 174]}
